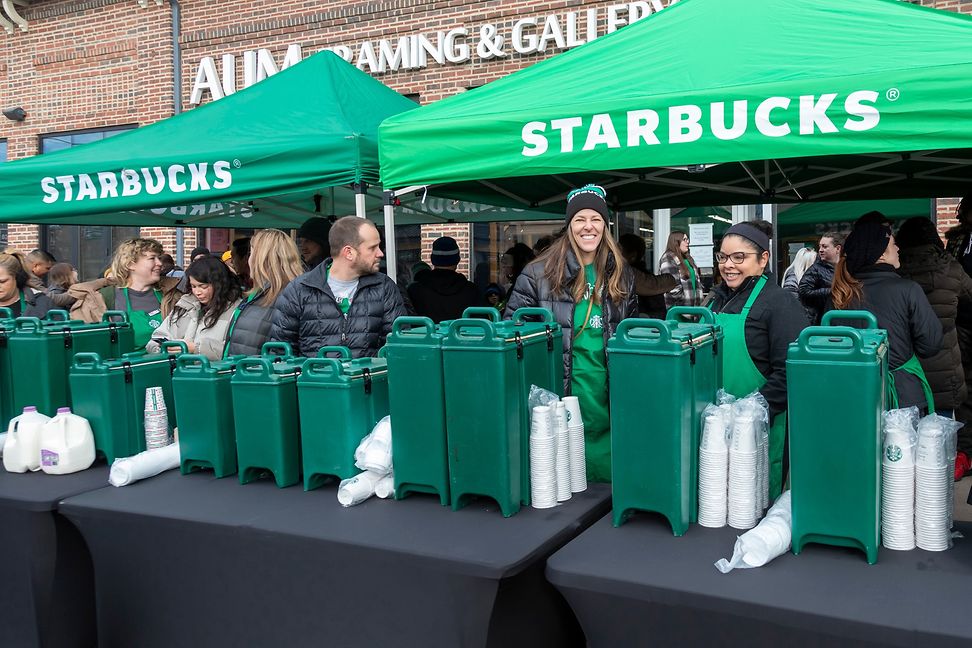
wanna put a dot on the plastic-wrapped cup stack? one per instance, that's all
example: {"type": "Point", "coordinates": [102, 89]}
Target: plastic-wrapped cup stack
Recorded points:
{"type": "Point", "coordinates": [156, 419]}
{"type": "Point", "coordinates": [743, 461]}
{"type": "Point", "coordinates": [543, 459]}
{"type": "Point", "coordinates": [713, 470]}
{"type": "Point", "coordinates": [932, 484]}
{"type": "Point", "coordinates": [762, 484]}
{"type": "Point", "coordinates": [898, 490]}
{"type": "Point", "coordinates": [357, 489]}
{"type": "Point", "coordinates": [951, 447]}
{"type": "Point", "coordinates": [575, 445]}
{"type": "Point", "coordinates": [563, 452]}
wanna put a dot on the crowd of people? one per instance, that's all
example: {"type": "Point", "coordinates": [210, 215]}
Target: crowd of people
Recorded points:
{"type": "Point", "coordinates": [325, 289]}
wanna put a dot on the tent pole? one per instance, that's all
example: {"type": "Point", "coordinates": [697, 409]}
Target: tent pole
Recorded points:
{"type": "Point", "coordinates": [661, 220]}
{"type": "Point", "coordinates": [360, 190]}
{"type": "Point", "coordinates": [390, 252]}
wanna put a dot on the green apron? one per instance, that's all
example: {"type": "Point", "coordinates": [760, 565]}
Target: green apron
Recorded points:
{"type": "Point", "coordinates": [692, 277]}
{"type": "Point", "coordinates": [588, 382]}
{"type": "Point", "coordinates": [912, 367]}
{"type": "Point", "coordinates": [143, 324]}
{"type": "Point", "coordinates": [741, 378]}
{"type": "Point", "coordinates": [236, 316]}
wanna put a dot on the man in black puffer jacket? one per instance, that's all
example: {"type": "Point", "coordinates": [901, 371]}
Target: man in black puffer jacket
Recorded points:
{"type": "Point", "coordinates": [344, 301]}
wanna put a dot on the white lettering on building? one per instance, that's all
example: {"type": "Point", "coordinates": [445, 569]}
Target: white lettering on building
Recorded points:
{"type": "Point", "coordinates": [530, 35]}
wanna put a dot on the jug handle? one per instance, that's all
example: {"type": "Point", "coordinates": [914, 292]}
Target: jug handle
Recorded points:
{"type": "Point", "coordinates": [5, 313]}
{"type": "Point", "coordinates": [27, 324]}
{"type": "Point", "coordinates": [830, 316]}
{"type": "Point", "coordinates": [485, 312]}
{"type": "Point", "coordinates": [848, 332]}
{"type": "Point", "coordinates": [86, 358]}
{"type": "Point", "coordinates": [251, 364]}
{"type": "Point", "coordinates": [191, 361]}
{"type": "Point", "coordinates": [704, 314]}
{"type": "Point", "coordinates": [57, 315]}
{"type": "Point", "coordinates": [121, 315]}
{"type": "Point", "coordinates": [323, 367]}
{"type": "Point", "coordinates": [664, 334]}
{"type": "Point", "coordinates": [343, 352]}
{"type": "Point", "coordinates": [530, 311]}
{"type": "Point", "coordinates": [284, 349]}
{"type": "Point", "coordinates": [178, 345]}
{"type": "Point", "coordinates": [407, 321]}
{"type": "Point", "coordinates": [459, 325]}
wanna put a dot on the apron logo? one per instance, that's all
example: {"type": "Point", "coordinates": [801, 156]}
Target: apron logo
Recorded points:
{"type": "Point", "coordinates": [154, 324]}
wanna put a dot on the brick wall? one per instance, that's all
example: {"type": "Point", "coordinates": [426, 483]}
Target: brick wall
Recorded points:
{"type": "Point", "coordinates": [99, 63]}
{"type": "Point", "coordinates": [459, 231]}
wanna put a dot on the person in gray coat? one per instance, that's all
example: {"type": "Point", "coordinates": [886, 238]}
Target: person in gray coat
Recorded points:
{"type": "Point", "coordinates": [344, 301]}
{"type": "Point", "coordinates": [274, 262]}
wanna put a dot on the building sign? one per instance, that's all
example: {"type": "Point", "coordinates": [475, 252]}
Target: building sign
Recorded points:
{"type": "Point", "coordinates": [485, 42]}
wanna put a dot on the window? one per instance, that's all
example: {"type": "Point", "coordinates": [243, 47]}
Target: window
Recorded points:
{"type": "Point", "coordinates": [88, 248]}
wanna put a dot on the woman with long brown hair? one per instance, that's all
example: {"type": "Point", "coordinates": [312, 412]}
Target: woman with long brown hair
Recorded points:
{"type": "Point", "coordinates": [678, 262]}
{"type": "Point", "coordinates": [274, 262]}
{"type": "Point", "coordinates": [583, 280]}
{"type": "Point", "coordinates": [865, 279]}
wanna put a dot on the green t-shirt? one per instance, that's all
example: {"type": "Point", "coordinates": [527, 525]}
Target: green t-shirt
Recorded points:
{"type": "Point", "coordinates": [588, 382]}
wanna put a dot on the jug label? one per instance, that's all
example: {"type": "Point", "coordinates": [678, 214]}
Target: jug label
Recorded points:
{"type": "Point", "coordinates": [49, 458]}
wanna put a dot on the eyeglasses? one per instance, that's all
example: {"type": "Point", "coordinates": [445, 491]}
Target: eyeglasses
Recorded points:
{"type": "Point", "coordinates": [735, 257]}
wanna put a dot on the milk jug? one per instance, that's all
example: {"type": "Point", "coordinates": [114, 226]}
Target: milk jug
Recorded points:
{"type": "Point", "coordinates": [66, 444]}
{"type": "Point", "coordinates": [21, 452]}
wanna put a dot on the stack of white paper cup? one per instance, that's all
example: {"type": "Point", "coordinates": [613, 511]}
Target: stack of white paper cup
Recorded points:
{"type": "Point", "coordinates": [898, 490]}
{"type": "Point", "coordinates": [762, 482]}
{"type": "Point", "coordinates": [563, 452]}
{"type": "Point", "coordinates": [543, 459]}
{"type": "Point", "coordinates": [743, 460]}
{"type": "Point", "coordinates": [385, 487]}
{"type": "Point", "coordinates": [156, 419]}
{"type": "Point", "coordinates": [575, 445]}
{"type": "Point", "coordinates": [713, 470]}
{"type": "Point", "coordinates": [931, 489]}
{"type": "Point", "coordinates": [951, 447]}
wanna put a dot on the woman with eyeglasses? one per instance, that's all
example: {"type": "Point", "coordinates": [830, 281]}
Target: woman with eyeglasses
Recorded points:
{"type": "Point", "coordinates": [274, 262]}
{"type": "Point", "coordinates": [759, 320]}
{"type": "Point", "coordinates": [677, 262]}
{"type": "Point", "coordinates": [583, 280]}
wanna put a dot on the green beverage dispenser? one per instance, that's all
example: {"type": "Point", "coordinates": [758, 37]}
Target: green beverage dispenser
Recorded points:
{"type": "Point", "coordinates": [835, 461]}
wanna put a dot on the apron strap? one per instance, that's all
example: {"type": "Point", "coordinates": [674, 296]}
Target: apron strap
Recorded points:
{"type": "Point", "coordinates": [913, 367]}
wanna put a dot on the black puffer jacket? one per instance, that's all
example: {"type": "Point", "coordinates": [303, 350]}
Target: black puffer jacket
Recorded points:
{"type": "Point", "coordinates": [775, 319]}
{"type": "Point", "coordinates": [532, 289]}
{"type": "Point", "coordinates": [442, 294]}
{"type": "Point", "coordinates": [307, 316]}
{"type": "Point", "coordinates": [252, 327]}
{"type": "Point", "coordinates": [902, 310]}
{"type": "Point", "coordinates": [946, 285]}
{"type": "Point", "coordinates": [815, 289]}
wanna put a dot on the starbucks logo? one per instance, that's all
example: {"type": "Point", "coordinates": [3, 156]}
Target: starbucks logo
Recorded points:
{"type": "Point", "coordinates": [893, 452]}
{"type": "Point", "coordinates": [154, 324]}
{"type": "Point", "coordinates": [568, 416]}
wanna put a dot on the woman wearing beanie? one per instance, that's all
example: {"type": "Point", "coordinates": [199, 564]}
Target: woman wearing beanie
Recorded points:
{"type": "Point", "coordinates": [865, 279]}
{"type": "Point", "coordinates": [759, 320]}
{"type": "Point", "coordinates": [582, 279]}
{"type": "Point", "coordinates": [678, 263]}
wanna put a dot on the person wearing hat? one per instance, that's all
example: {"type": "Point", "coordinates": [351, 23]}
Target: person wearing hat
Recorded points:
{"type": "Point", "coordinates": [198, 252]}
{"type": "Point", "coordinates": [759, 320]}
{"type": "Point", "coordinates": [949, 291]}
{"type": "Point", "coordinates": [312, 240]}
{"type": "Point", "coordinates": [442, 293]}
{"type": "Point", "coordinates": [865, 279]}
{"type": "Point", "coordinates": [583, 280]}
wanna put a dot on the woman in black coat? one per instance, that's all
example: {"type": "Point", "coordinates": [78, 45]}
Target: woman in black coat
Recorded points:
{"type": "Point", "coordinates": [583, 280]}
{"type": "Point", "coordinates": [865, 279]}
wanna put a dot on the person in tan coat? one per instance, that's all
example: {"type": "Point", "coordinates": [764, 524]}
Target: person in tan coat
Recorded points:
{"type": "Point", "coordinates": [135, 286]}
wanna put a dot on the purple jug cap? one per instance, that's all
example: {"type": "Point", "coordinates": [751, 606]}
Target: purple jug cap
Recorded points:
{"type": "Point", "coordinates": [63, 410]}
{"type": "Point", "coordinates": [30, 408]}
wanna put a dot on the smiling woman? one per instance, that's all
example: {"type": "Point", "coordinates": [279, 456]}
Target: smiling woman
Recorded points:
{"type": "Point", "coordinates": [583, 280]}
{"type": "Point", "coordinates": [759, 320]}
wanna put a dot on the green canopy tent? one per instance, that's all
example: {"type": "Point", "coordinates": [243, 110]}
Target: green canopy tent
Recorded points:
{"type": "Point", "coordinates": [274, 154]}
{"type": "Point", "coordinates": [710, 102]}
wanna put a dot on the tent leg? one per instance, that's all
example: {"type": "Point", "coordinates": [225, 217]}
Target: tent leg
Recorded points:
{"type": "Point", "coordinates": [391, 266]}
{"type": "Point", "coordinates": [661, 220]}
{"type": "Point", "coordinates": [360, 192]}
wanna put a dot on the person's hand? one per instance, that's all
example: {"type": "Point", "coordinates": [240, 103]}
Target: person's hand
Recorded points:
{"type": "Point", "coordinates": [190, 346]}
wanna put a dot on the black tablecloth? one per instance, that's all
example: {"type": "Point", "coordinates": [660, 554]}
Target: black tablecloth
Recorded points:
{"type": "Point", "coordinates": [191, 560]}
{"type": "Point", "coordinates": [46, 584]}
{"type": "Point", "coordinates": [640, 580]}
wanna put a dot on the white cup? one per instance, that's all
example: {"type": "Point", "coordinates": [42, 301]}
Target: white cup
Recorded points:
{"type": "Point", "coordinates": [357, 489]}
{"type": "Point", "coordinates": [572, 404]}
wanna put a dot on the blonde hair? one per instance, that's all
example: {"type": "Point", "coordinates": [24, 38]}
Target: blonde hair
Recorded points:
{"type": "Point", "coordinates": [274, 263]}
{"type": "Point", "coordinates": [15, 264]}
{"type": "Point", "coordinates": [802, 260]}
{"type": "Point", "coordinates": [130, 252]}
